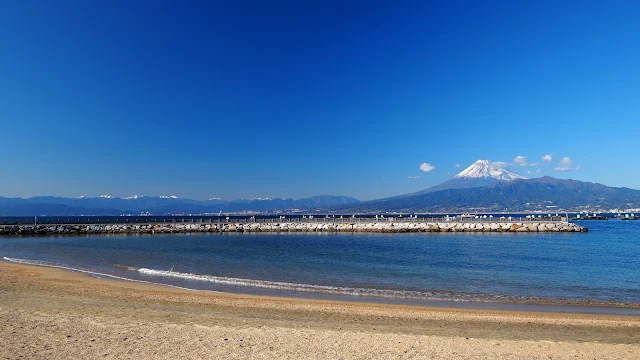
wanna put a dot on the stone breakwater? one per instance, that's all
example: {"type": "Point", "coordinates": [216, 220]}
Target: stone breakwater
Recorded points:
{"type": "Point", "coordinates": [380, 227]}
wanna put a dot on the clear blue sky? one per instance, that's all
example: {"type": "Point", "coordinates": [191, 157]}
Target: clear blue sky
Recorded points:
{"type": "Point", "coordinates": [285, 99]}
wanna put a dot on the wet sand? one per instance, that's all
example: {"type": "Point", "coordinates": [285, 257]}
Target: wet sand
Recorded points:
{"type": "Point", "coordinates": [55, 314]}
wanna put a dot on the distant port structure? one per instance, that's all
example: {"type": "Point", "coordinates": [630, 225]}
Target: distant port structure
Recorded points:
{"type": "Point", "coordinates": [267, 218]}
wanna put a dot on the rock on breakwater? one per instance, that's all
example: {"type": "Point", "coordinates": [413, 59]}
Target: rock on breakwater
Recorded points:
{"type": "Point", "coordinates": [381, 227]}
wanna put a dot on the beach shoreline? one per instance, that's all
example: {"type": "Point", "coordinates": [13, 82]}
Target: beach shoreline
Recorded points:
{"type": "Point", "coordinates": [45, 310]}
{"type": "Point", "coordinates": [525, 305]}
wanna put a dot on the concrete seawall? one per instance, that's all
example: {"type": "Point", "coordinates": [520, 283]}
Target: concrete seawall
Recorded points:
{"type": "Point", "coordinates": [380, 227]}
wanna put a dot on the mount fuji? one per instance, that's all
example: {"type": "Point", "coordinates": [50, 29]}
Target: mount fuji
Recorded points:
{"type": "Point", "coordinates": [481, 173]}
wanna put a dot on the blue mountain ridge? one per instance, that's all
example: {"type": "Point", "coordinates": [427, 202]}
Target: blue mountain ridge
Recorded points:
{"type": "Point", "coordinates": [58, 206]}
{"type": "Point", "coordinates": [538, 194]}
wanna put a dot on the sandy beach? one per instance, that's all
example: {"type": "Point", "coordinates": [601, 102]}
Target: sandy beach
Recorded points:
{"type": "Point", "coordinates": [55, 314]}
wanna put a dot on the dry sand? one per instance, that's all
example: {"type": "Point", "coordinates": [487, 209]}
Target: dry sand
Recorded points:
{"type": "Point", "coordinates": [54, 314]}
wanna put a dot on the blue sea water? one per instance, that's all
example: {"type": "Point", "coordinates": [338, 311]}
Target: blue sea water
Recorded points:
{"type": "Point", "coordinates": [598, 267]}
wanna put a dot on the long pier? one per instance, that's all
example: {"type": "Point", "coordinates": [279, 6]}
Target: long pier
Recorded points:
{"type": "Point", "coordinates": [306, 224]}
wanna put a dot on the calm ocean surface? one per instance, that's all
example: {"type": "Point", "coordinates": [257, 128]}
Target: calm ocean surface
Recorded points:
{"type": "Point", "coordinates": [601, 266]}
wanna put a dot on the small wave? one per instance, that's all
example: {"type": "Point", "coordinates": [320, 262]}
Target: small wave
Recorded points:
{"type": "Point", "coordinates": [278, 285]}
{"type": "Point", "coordinates": [88, 272]}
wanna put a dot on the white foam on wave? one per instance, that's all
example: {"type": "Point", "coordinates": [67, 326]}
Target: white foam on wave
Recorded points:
{"type": "Point", "coordinates": [94, 273]}
{"type": "Point", "coordinates": [279, 285]}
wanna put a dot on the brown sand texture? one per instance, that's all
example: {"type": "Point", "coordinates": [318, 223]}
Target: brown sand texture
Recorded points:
{"type": "Point", "coordinates": [50, 313]}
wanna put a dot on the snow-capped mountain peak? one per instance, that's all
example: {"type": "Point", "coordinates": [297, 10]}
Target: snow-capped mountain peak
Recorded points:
{"type": "Point", "coordinates": [488, 169]}
{"type": "Point", "coordinates": [168, 197]}
{"type": "Point", "coordinates": [132, 197]}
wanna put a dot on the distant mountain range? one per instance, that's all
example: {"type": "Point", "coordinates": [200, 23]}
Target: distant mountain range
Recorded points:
{"type": "Point", "coordinates": [546, 194]}
{"type": "Point", "coordinates": [484, 186]}
{"type": "Point", "coordinates": [159, 205]}
{"type": "Point", "coordinates": [487, 187]}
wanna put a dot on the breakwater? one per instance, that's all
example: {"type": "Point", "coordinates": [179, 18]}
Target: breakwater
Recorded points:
{"type": "Point", "coordinates": [283, 226]}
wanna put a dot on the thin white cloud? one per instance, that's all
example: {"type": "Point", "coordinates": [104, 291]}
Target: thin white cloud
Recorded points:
{"type": "Point", "coordinates": [566, 164]}
{"type": "Point", "coordinates": [414, 177]}
{"type": "Point", "coordinates": [457, 165]}
{"type": "Point", "coordinates": [426, 167]}
{"type": "Point", "coordinates": [566, 161]}
{"type": "Point", "coordinates": [547, 158]}
{"type": "Point", "coordinates": [522, 161]}
{"type": "Point", "coordinates": [500, 164]}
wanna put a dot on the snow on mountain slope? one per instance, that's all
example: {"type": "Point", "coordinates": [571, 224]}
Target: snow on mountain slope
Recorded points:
{"type": "Point", "coordinates": [479, 174]}
{"type": "Point", "coordinates": [488, 169]}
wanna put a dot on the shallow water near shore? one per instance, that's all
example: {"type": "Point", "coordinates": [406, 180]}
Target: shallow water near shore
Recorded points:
{"type": "Point", "coordinates": [484, 270]}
